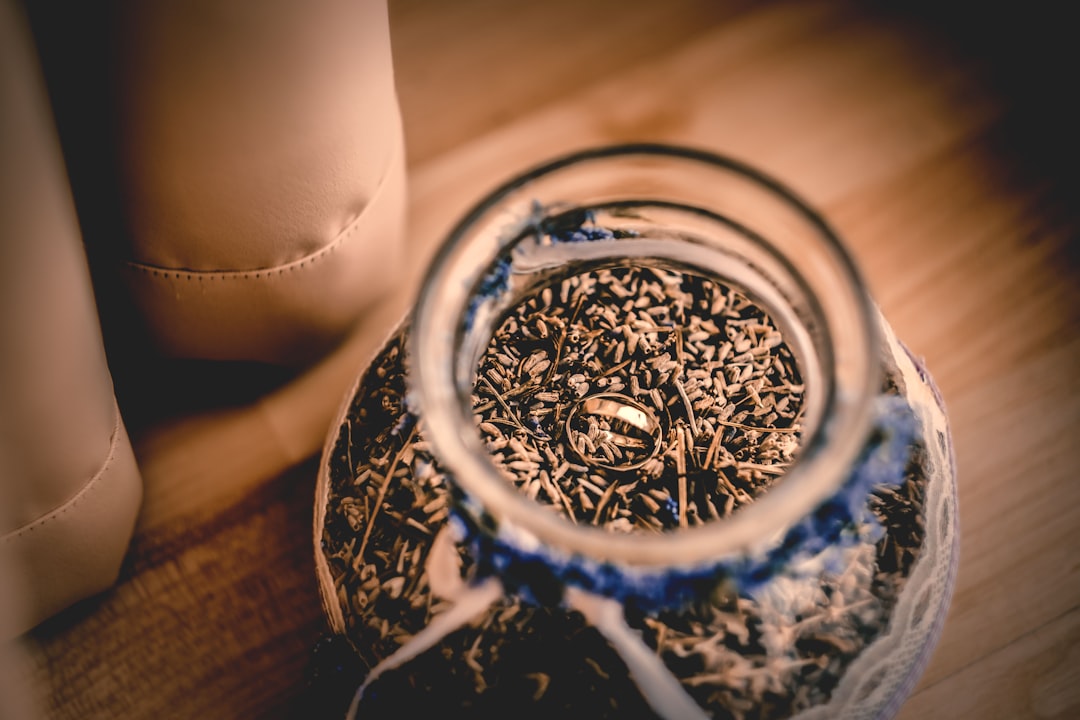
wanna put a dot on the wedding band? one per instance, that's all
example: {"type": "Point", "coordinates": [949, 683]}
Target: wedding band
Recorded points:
{"type": "Point", "coordinates": [630, 426]}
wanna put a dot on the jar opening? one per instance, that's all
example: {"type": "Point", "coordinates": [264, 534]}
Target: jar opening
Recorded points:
{"type": "Point", "coordinates": [694, 258]}
{"type": "Point", "coordinates": [635, 393]}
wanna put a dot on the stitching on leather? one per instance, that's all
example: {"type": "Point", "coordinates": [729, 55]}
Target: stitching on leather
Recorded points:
{"type": "Point", "coordinates": [249, 274]}
{"type": "Point", "coordinates": [285, 268]}
{"type": "Point", "coordinates": [88, 487]}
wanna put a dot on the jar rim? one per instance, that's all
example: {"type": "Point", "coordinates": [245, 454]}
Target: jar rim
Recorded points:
{"type": "Point", "coordinates": [814, 476]}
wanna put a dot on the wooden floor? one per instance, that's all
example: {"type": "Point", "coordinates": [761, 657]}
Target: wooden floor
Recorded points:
{"type": "Point", "coordinates": [940, 147]}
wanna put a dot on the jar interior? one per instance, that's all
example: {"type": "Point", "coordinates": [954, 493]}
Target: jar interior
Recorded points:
{"type": "Point", "coordinates": [642, 366]}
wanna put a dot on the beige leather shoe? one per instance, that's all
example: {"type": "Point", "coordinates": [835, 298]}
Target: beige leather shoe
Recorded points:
{"type": "Point", "coordinates": [263, 173]}
{"type": "Point", "coordinates": [71, 489]}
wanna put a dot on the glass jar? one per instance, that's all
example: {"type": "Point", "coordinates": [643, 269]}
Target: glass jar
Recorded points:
{"type": "Point", "coordinates": [645, 447]}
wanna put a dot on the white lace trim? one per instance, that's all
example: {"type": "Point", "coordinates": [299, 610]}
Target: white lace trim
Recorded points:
{"type": "Point", "coordinates": [878, 681]}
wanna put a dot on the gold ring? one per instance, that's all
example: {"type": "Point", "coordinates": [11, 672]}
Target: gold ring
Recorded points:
{"type": "Point", "coordinates": [613, 431]}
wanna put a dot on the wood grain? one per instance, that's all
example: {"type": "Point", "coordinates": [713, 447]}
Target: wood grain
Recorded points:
{"type": "Point", "coordinates": [909, 137]}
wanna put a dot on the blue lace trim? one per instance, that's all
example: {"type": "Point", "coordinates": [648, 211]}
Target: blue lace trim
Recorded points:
{"type": "Point", "coordinates": [539, 575]}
